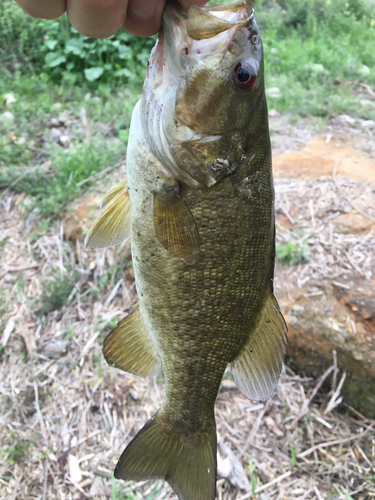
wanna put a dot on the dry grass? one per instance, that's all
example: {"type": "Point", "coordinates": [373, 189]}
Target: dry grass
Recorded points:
{"type": "Point", "coordinates": [311, 215]}
{"type": "Point", "coordinates": [66, 416]}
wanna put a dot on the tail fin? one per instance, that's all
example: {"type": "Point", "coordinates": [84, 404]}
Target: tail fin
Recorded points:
{"type": "Point", "coordinates": [188, 465]}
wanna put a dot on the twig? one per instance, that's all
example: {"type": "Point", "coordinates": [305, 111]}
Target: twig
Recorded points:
{"type": "Point", "coordinates": [101, 174]}
{"type": "Point", "coordinates": [43, 429]}
{"type": "Point", "coordinates": [334, 442]}
{"type": "Point", "coordinates": [305, 409]}
{"type": "Point", "coordinates": [368, 216]}
{"type": "Point", "coordinates": [335, 399]}
{"type": "Point", "coordinates": [268, 485]}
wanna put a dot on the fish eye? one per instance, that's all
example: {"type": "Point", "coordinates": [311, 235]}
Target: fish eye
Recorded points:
{"type": "Point", "coordinates": [243, 76]}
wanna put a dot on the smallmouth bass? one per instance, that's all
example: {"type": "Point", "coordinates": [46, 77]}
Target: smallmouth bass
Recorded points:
{"type": "Point", "coordinates": [199, 203]}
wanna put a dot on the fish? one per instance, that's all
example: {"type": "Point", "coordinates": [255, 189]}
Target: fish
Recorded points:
{"type": "Point", "coordinates": [199, 206]}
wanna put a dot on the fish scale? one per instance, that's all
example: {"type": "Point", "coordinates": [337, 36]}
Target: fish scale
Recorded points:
{"type": "Point", "coordinates": [199, 202]}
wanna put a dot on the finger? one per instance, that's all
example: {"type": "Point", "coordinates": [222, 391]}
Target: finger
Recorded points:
{"type": "Point", "coordinates": [44, 9]}
{"type": "Point", "coordinates": [144, 18]}
{"type": "Point", "coordinates": [188, 3]}
{"type": "Point", "coordinates": [97, 18]}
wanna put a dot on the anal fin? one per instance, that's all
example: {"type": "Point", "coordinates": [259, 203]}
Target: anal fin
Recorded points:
{"type": "Point", "coordinates": [112, 225]}
{"type": "Point", "coordinates": [175, 225]}
{"type": "Point", "coordinates": [129, 347]}
{"type": "Point", "coordinates": [257, 368]}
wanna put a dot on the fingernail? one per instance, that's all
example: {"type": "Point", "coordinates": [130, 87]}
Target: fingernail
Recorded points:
{"type": "Point", "coordinates": [143, 10]}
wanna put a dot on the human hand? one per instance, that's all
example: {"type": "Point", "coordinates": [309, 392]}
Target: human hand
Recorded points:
{"type": "Point", "coordinates": [102, 18]}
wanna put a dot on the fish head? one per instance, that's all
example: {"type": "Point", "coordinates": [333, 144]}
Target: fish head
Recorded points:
{"type": "Point", "coordinates": [206, 75]}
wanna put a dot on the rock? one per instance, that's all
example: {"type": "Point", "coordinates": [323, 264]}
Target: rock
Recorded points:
{"type": "Point", "coordinates": [229, 467]}
{"type": "Point", "coordinates": [368, 124]}
{"type": "Point", "coordinates": [55, 349]}
{"type": "Point", "coordinates": [341, 319]}
{"type": "Point", "coordinates": [273, 92]}
{"type": "Point", "coordinates": [64, 140]}
{"type": "Point", "coordinates": [364, 70]}
{"type": "Point", "coordinates": [347, 119]}
{"type": "Point", "coordinates": [7, 116]}
{"type": "Point", "coordinates": [351, 223]}
{"type": "Point", "coordinates": [9, 99]}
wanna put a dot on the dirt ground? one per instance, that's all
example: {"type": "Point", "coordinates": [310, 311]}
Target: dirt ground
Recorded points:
{"type": "Point", "coordinates": [66, 416]}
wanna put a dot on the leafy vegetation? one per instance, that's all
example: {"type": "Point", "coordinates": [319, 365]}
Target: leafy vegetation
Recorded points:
{"type": "Point", "coordinates": [59, 51]}
{"type": "Point", "coordinates": [294, 252]}
{"type": "Point", "coordinates": [17, 450]}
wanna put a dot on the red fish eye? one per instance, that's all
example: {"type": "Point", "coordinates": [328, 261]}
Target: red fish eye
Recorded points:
{"type": "Point", "coordinates": [243, 76]}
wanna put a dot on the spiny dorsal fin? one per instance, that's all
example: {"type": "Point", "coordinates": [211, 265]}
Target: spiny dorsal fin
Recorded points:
{"type": "Point", "coordinates": [112, 225]}
{"type": "Point", "coordinates": [129, 347]}
{"type": "Point", "coordinates": [257, 368]}
{"type": "Point", "coordinates": [187, 463]}
{"type": "Point", "coordinates": [175, 225]}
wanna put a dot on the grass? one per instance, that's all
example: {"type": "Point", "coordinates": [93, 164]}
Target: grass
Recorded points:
{"type": "Point", "coordinates": [316, 52]}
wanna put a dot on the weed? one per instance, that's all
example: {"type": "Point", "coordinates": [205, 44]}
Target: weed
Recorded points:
{"type": "Point", "coordinates": [253, 477]}
{"type": "Point", "coordinates": [293, 454]}
{"type": "Point", "coordinates": [55, 294]}
{"type": "Point", "coordinates": [294, 252]}
{"type": "Point", "coordinates": [69, 332]}
{"type": "Point", "coordinates": [17, 451]}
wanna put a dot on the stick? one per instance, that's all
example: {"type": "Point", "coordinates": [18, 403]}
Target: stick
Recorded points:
{"type": "Point", "coordinates": [101, 174]}
{"type": "Point", "coordinates": [267, 485]}
{"type": "Point", "coordinates": [336, 441]}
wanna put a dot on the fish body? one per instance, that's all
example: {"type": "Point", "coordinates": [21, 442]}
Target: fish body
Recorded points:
{"type": "Point", "coordinates": [201, 198]}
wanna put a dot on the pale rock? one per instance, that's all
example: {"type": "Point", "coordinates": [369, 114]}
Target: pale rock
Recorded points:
{"type": "Point", "coordinates": [368, 124]}
{"type": "Point", "coordinates": [9, 99]}
{"type": "Point", "coordinates": [364, 70]}
{"type": "Point", "coordinates": [75, 472]}
{"type": "Point", "coordinates": [273, 92]}
{"type": "Point", "coordinates": [64, 140]}
{"type": "Point", "coordinates": [7, 116]}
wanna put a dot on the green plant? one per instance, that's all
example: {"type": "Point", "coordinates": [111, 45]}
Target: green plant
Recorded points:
{"type": "Point", "coordinates": [253, 477]}
{"type": "Point", "coordinates": [294, 252]}
{"type": "Point", "coordinates": [58, 50]}
{"type": "Point", "coordinates": [293, 454]}
{"type": "Point", "coordinates": [16, 451]}
{"type": "Point", "coordinates": [55, 293]}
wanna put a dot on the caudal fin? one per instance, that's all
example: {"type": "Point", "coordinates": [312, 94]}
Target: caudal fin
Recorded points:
{"type": "Point", "coordinates": [187, 464]}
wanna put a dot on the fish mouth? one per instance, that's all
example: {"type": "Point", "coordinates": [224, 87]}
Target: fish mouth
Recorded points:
{"type": "Point", "coordinates": [205, 37]}
{"type": "Point", "coordinates": [207, 22]}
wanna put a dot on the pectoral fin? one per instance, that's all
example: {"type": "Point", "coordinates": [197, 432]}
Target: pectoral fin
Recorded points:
{"type": "Point", "coordinates": [112, 225]}
{"type": "Point", "coordinates": [257, 368]}
{"type": "Point", "coordinates": [129, 347]}
{"type": "Point", "coordinates": [175, 225]}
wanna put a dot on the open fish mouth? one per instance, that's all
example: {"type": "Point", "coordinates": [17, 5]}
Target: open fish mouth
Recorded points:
{"type": "Point", "coordinates": [207, 59]}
